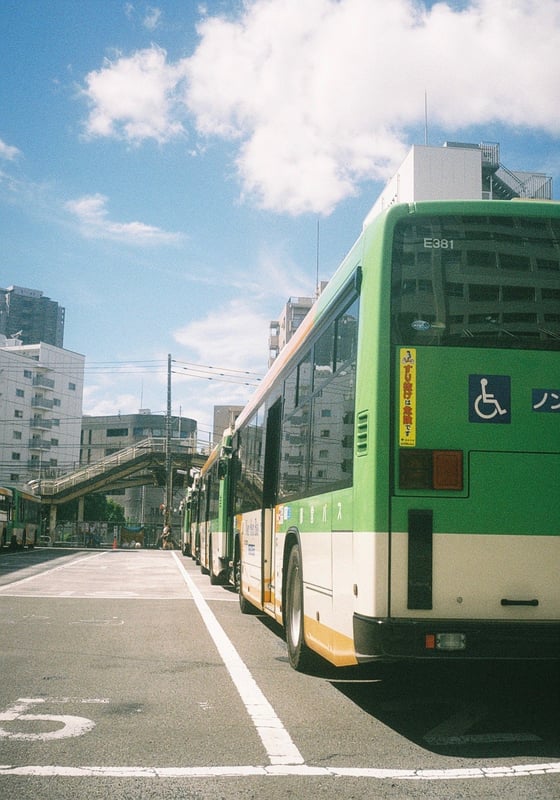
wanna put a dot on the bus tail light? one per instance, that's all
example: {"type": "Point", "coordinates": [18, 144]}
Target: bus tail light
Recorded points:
{"type": "Point", "coordinates": [431, 469]}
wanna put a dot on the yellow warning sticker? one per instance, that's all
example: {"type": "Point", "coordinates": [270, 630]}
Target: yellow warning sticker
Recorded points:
{"type": "Point", "coordinates": [407, 397]}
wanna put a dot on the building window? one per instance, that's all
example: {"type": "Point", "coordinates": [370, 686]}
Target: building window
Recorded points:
{"type": "Point", "coordinates": [17, 434]}
{"type": "Point", "coordinates": [72, 386]}
{"type": "Point", "coordinates": [54, 442]}
{"type": "Point", "coordinates": [27, 373]}
{"type": "Point", "coordinates": [20, 393]}
{"type": "Point", "coordinates": [18, 414]}
{"type": "Point", "coordinates": [56, 402]}
{"type": "Point", "coordinates": [117, 432]}
{"type": "Point", "coordinates": [14, 476]}
{"type": "Point", "coordinates": [16, 456]}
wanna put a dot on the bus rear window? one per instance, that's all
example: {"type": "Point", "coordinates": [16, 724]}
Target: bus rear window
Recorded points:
{"type": "Point", "coordinates": [477, 281]}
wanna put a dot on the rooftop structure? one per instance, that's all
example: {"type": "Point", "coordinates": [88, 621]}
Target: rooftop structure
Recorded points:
{"type": "Point", "coordinates": [458, 171]}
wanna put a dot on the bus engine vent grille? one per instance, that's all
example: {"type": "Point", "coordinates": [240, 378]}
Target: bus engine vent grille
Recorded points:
{"type": "Point", "coordinates": [362, 433]}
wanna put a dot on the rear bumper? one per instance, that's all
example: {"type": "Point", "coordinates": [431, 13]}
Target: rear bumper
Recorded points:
{"type": "Point", "coordinates": [404, 639]}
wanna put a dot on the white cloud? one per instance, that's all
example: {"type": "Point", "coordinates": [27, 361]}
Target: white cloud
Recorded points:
{"type": "Point", "coordinates": [319, 96]}
{"type": "Point", "coordinates": [97, 403]}
{"type": "Point", "coordinates": [134, 97]}
{"type": "Point", "coordinates": [152, 18]}
{"type": "Point", "coordinates": [235, 336]}
{"type": "Point", "coordinates": [8, 152]}
{"type": "Point", "coordinates": [92, 215]}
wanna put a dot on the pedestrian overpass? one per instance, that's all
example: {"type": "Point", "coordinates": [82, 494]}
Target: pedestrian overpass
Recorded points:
{"type": "Point", "coordinates": [142, 464]}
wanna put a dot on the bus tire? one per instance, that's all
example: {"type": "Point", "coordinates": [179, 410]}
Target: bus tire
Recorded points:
{"type": "Point", "coordinates": [298, 652]}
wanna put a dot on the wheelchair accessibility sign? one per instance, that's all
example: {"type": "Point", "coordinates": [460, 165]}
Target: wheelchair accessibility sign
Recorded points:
{"type": "Point", "coordinates": [490, 399]}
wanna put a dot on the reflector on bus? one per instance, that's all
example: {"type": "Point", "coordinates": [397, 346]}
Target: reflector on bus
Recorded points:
{"type": "Point", "coordinates": [431, 469]}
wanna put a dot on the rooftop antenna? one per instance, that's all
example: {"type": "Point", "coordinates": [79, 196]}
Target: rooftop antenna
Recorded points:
{"type": "Point", "coordinates": [317, 261]}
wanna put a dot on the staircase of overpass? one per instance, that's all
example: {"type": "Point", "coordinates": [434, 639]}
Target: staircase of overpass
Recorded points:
{"type": "Point", "coordinates": [144, 463]}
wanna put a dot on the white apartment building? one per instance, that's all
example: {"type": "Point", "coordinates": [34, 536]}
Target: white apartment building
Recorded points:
{"type": "Point", "coordinates": [41, 393]}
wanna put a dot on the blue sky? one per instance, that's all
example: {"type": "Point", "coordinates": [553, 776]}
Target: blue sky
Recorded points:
{"type": "Point", "coordinates": [163, 165]}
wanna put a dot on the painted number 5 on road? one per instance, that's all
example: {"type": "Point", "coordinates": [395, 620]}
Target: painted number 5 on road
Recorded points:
{"type": "Point", "coordinates": [66, 725]}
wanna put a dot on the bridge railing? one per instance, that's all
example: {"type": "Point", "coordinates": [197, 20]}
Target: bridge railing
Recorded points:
{"type": "Point", "coordinates": [52, 486]}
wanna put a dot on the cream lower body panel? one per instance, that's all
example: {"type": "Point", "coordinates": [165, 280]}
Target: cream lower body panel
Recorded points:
{"type": "Point", "coordinates": [343, 572]}
{"type": "Point", "coordinates": [472, 574]}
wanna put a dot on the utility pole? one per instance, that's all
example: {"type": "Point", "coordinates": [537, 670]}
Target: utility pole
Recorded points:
{"type": "Point", "coordinates": [168, 468]}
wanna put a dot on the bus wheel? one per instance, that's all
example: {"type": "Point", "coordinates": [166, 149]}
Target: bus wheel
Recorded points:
{"type": "Point", "coordinates": [298, 652]}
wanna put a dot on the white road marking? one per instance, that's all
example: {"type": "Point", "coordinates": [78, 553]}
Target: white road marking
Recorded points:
{"type": "Point", "coordinates": [285, 771]}
{"type": "Point", "coordinates": [275, 738]}
{"type": "Point", "coordinates": [71, 725]}
{"type": "Point", "coordinates": [254, 701]}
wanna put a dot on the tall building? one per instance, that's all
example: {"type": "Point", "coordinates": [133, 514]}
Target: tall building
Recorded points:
{"type": "Point", "coordinates": [30, 316]}
{"type": "Point", "coordinates": [224, 417]}
{"type": "Point", "coordinates": [103, 436]}
{"type": "Point", "coordinates": [41, 392]}
{"type": "Point", "coordinates": [291, 317]}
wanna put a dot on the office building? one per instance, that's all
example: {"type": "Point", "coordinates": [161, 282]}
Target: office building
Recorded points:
{"type": "Point", "coordinates": [31, 317]}
{"type": "Point", "coordinates": [102, 436]}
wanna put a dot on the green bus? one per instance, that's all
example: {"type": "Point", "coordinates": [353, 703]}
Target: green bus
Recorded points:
{"type": "Point", "coordinates": [20, 518]}
{"type": "Point", "coordinates": [207, 517]}
{"type": "Point", "coordinates": [391, 490]}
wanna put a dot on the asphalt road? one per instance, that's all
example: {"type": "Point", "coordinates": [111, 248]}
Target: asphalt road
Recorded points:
{"type": "Point", "coordinates": [125, 674]}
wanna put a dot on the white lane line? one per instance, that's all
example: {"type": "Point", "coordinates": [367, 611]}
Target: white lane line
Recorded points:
{"type": "Point", "coordinates": [275, 738]}
{"type": "Point", "coordinates": [517, 771]}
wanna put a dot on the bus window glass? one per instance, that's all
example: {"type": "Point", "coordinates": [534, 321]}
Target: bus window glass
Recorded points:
{"type": "Point", "coordinates": [477, 281]}
{"type": "Point", "coordinates": [304, 380]}
{"type": "Point", "coordinates": [332, 434]}
{"type": "Point", "coordinates": [318, 438]}
{"type": "Point", "coordinates": [249, 484]}
{"type": "Point", "coordinates": [290, 391]}
{"type": "Point", "coordinates": [213, 493]}
{"type": "Point", "coordinates": [294, 455]}
{"type": "Point", "coordinates": [347, 336]}
{"type": "Point", "coordinates": [203, 500]}
{"type": "Point", "coordinates": [323, 358]}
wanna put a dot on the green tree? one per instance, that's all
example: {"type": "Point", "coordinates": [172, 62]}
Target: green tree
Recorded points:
{"type": "Point", "coordinates": [97, 508]}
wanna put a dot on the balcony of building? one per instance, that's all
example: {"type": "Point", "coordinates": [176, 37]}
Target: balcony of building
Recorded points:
{"type": "Point", "coordinates": [41, 402]}
{"type": "Point", "coordinates": [43, 382]}
{"type": "Point", "coordinates": [40, 424]}
{"type": "Point", "coordinates": [36, 443]}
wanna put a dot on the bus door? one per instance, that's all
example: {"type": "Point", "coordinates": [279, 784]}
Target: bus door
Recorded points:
{"type": "Point", "coordinates": [270, 484]}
